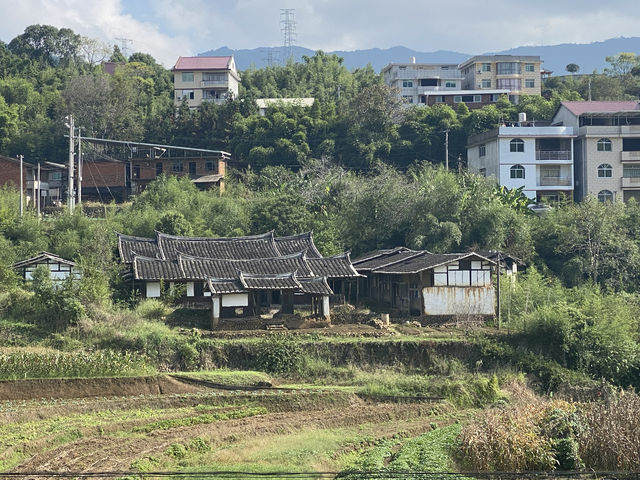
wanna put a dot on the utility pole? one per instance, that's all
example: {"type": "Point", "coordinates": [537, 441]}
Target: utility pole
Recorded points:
{"type": "Point", "coordinates": [21, 157]}
{"type": "Point", "coordinates": [39, 191]}
{"type": "Point", "coordinates": [79, 179]}
{"type": "Point", "coordinates": [498, 289]}
{"type": "Point", "coordinates": [70, 183]}
{"type": "Point", "coordinates": [446, 149]}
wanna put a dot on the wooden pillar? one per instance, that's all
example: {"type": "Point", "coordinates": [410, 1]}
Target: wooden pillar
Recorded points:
{"type": "Point", "coordinates": [287, 301]}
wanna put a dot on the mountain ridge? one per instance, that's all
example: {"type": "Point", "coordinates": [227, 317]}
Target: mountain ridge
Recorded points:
{"type": "Point", "coordinates": [589, 56]}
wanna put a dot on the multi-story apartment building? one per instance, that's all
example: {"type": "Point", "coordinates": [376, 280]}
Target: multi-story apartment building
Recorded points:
{"type": "Point", "coordinates": [607, 147]}
{"type": "Point", "coordinates": [205, 79]}
{"type": "Point", "coordinates": [537, 158]}
{"type": "Point", "coordinates": [414, 79]}
{"type": "Point", "coordinates": [477, 82]}
{"type": "Point", "coordinates": [520, 75]}
{"type": "Point", "coordinates": [47, 182]}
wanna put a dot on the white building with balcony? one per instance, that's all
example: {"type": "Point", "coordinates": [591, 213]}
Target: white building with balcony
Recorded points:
{"type": "Point", "coordinates": [413, 79]}
{"type": "Point", "coordinates": [607, 148]}
{"type": "Point", "coordinates": [537, 158]}
{"type": "Point", "coordinates": [205, 79]}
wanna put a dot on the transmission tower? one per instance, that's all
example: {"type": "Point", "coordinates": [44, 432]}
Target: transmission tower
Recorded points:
{"type": "Point", "coordinates": [289, 35]}
{"type": "Point", "coordinates": [270, 59]}
{"type": "Point", "coordinates": [124, 45]}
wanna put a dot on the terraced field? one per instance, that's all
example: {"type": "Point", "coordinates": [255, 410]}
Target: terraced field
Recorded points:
{"type": "Point", "coordinates": [201, 428]}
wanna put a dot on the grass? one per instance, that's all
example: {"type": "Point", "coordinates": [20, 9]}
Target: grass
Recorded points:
{"type": "Point", "coordinates": [18, 363]}
{"type": "Point", "coordinates": [200, 419]}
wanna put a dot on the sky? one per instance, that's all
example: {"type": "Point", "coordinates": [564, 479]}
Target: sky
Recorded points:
{"type": "Point", "coordinates": [167, 29]}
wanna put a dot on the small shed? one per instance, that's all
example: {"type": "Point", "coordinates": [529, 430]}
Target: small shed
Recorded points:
{"type": "Point", "coordinates": [59, 268]}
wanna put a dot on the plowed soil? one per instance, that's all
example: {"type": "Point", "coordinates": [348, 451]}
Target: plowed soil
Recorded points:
{"type": "Point", "coordinates": [112, 446]}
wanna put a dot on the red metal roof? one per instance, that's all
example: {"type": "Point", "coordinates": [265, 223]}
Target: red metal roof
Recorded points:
{"type": "Point", "coordinates": [578, 108]}
{"type": "Point", "coordinates": [203, 63]}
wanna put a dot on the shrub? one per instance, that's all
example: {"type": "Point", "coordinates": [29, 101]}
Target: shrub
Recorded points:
{"type": "Point", "coordinates": [152, 309]}
{"type": "Point", "coordinates": [278, 354]}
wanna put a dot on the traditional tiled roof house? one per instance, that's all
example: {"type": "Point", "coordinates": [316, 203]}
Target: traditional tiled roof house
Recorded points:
{"type": "Point", "coordinates": [238, 274]}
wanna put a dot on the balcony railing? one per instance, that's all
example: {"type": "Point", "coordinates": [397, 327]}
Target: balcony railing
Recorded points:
{"type": "Point", "coordinates": [213, 83]}
{"type": "Point", "coordinates": [551, 155]}
{"type": "Point", "coordinates": [630, 182]}
{"type": "Point", "coordinates": [554, 182]}
{"type": "Point", "coordinates": [630, 156]}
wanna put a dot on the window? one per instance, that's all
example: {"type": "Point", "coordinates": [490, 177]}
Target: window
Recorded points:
{"type": "Point", "coordinates": [482, 150]}
{"type": "Point", "coordinates": [192, 168]}
{"type": "Point", "coordinates": [486, 67]}
{"type": "Point", "coordinates": [428, 82]}
{"type": "Point", "coordinates": [213, 77]}
{"type": "Point", "coordinates": [177, 166]}
{"type": "Point", "coordinates": [55, 176]}
{"type": "Point", "coordinates": [450, 84]}
{"type": "Point", "coordinates": [517, 171]}
{"type": "Point", "coordinates": [605, 196]}
{"type": "Point", "coordinates": [483, 172]}
{"type": "Point", "coordinates": [407, 83]}
{"type": "Point", "coordinates": [495, 97]}
{"type": "Point", "coordinates": [187, 76]}
{"type": "Point", "coordinates": [631, 171]}
{"type": "Point", "coordinates": [530, 83]}
{"type": "Point", "coordinates": [467, 98]}
{"type": "Point", "coordinates": [407, 98]}
{"type": "Point", "coordinates": [508, 68]}
{"type": "Point", "coordinates": [188, 94]}
{"type": "Point", "coordinates": [604, 145]}
{"type": "Point", "coordinates": [550, 172]}
{"type": "Point", "coordinates": [210, 165]}
{"type": "Point", "coordinates": [509, 83]}
{"type": "Point", "coordinates": [516, 145]}
{"type": "Point", "coordinates": [529, 67]}
{"type": "Point", "coordinates": [486, 83]}
{"type": "Point", "coordinates": [439, 99]}
{"type": "Point", "coordinates": [158, 168]}
{"type": "Point", "coordinates": [604, 170]}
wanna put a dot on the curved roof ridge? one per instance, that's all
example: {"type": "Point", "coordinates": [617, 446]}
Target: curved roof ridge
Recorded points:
{"type": "Point", "coordinates": [301, 254]}
{"type": "Point", "coordinates": [260, 236]}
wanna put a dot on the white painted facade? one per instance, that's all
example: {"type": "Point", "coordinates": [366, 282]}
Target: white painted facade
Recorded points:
{"type": "Point", "coordinates": [235, 300]}
{"type": "Point", "coordinates": [153, 289]}
{"type": "Point", "coordinates": [461, 301]}
{"type": "Point", "coordinates": [520, 156]}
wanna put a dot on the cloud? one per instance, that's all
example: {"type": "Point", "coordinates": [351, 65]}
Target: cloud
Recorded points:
{"type": "Point", "coordinates": [167, 29]}
{"type": "Point", "coordinates": [102, 19]}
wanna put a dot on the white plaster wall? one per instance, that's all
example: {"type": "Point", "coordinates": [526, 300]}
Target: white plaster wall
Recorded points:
{"type": "Point", "coordinates": [459, 300]}
{"type": "Point", "coordinates": [527, 159]}
{"type": "Point", "coordinates": [190, 289]}
{"type": "Point", "coordinates": [153, 289]}
{"type": "Point", "coordinates": [235, 300]}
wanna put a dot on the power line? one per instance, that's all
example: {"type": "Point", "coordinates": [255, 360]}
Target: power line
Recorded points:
{"type": "Point", "coordinates": [288, 29]}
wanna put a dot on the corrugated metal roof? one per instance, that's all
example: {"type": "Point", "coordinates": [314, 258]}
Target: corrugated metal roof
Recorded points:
{"type": "Point", "coordinates": [203, 63]}
{"type": "Point", "coordinates": [298, 243]}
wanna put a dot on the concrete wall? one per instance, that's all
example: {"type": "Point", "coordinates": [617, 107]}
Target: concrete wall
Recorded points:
{"type": "Point", "coordinates": [459, 300]}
